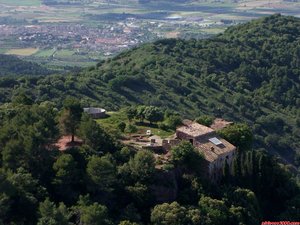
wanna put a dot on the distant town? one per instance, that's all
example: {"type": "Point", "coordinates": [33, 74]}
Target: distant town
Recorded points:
{"type": "Point", "coordinates": [79, 33]}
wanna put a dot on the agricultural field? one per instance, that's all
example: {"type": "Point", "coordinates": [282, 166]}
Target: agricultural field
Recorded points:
{"type": "Point", "coordinates": [85, 31]}
{"type": "Point", "coordinates": [22, 51]}
{"type": "Point", "coordinates": [21, 3]}
{"type": "Point", "coordinates": [45, 53]}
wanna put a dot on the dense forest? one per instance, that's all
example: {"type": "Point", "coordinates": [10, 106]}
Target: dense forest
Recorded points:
{"type": "Point", "coordinates": [248, 74]}
{"type": "Point", "coordinates": [11, 66]}
{"type": "Point", "coordinates": [103, 182]}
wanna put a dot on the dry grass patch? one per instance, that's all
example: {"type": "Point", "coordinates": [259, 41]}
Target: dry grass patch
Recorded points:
{"type": "Point", "coordinates": [22, 51]}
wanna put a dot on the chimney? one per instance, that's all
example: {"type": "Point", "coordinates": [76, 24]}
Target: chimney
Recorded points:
{"type": "Point", "coordinates": [212, 148]}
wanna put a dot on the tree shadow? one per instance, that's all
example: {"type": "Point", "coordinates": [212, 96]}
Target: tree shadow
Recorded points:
{"type": "Point", "coordinates": [146, 124]}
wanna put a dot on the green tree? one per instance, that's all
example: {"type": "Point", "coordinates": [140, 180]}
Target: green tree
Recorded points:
{"type": "Point", "coordinates": [94, 214]}
{"type": "Point", "coordinates": [169, 214]}
{"type": "Point", "coordinates": [239, 135]}
{"type": "Point", "coordinates": [4, 208]}
{"type": "Point", "coordinates": [173, 121]}
{"type": "Point", "coordinates": [186, 155]}
{"type": "Point", "coordinates": [52, 215]}
{"type": "Point", "coordinates": [24, 137]}
{"type": "Point", "coordinates": [24, 193]}
{"type": "Point", "coordinates": [140, 195]}
{"type": "Point", "coordinates": [205, 120]}
{"type": "Point", "coordinates": [67, 177]}
{"type": "Point", "coordinates": [194, 216]}
{"type": "Point", "coordinates": [12, 157]}
{"type": "Point", "coordinates": [94, 136]}
{"type": "Point", "coordinates": [183, 152]}
{"type": "Point", "coordinates": [130, 213]}
{"type": "Point", "coordinates": [65, 168]}
{"type": "Point", "coordinates": [127, 222]}
{"type": "Point", "coordinates": [22, 99]}
{"type": "Point", "coordinates": [122, 126]}
{"type": "Point", "coordinates": [124, 154]}
{"type": "Point", "coordinates": [6, 203]}
{"type": "Point", "coordinates": [102, 172]}
{"type": "Point", "coordinates": [247, 203]}
{"type": "Point", "coordinates": [214, 211]}
{"type": "Point", "coordinates": [70, 117]}
{"type": "Point", "coordinates": [131, 113]}
{"type": "Point", "coordinates": [142, 166]}
{"type": "Point", "coordinates": [131, 128]}
{"type": "Point", "coordinates": [153, 114]}
{"type": "Point", "coordinates": [140, 113]}
{"type": "Point", "coordinates": [237, 214]}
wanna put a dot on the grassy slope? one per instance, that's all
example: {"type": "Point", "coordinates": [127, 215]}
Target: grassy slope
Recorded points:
{"type": "Point", "coordinates": [111, 124]}
{"type": "Point", "coordinates": [249, 74]}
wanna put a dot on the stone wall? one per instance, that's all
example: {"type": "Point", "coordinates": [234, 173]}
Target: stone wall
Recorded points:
{"type": "Point", "coordinates": [98, 115]}
{"type": "Point", "coordinates": [184, 136]}
{"type": "Point", "coordinates": [215, 168]}
{"type": "Point", "coordinates": [168, 144]}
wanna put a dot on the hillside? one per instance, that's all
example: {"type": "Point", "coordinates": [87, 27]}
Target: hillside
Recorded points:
{"type": "Point", "coordinates": [12, 65]}
{"type": "Point", "coordinates": [60, 165]}
{"type": "Point", "coordinates": [248, 74]}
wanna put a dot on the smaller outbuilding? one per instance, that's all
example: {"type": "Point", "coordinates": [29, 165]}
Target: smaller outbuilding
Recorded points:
{"type": "Point", "coordinates": [95, 113]}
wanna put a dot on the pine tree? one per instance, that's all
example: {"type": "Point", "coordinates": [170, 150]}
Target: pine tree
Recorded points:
{"type": "Point", "coordinates": [70, 118]}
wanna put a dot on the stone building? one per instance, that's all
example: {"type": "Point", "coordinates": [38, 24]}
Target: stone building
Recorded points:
{"type": "Point", "coordinates": [216, 150]}
{"type": "Point", "coordinates": [194, 132]}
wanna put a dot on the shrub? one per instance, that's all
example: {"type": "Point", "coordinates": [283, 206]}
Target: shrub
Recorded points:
{"type": "Point", "coordinates": [131, 128]}
{"type": "Point", "coordinates": [122, 126]}
{"type": "Point", "coordinates": [205, 120]}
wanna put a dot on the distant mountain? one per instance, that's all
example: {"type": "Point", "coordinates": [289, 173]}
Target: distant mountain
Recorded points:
{"type": "Point", "coordinates": [251, 73]}
{"type": "Point", "coordinates": [12, 65]}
